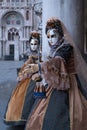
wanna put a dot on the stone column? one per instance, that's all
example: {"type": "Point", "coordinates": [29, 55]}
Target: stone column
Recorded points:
{"type": "Point", "coordinates": [16, 52]}
{"type": "Point", "coordinates": [21, 47]}
{"type": "Point", "coordinates": [7, 48]}
{"type": "Point", "coordinates": [70, 13]}
{"type": "Point", "coordinates": [75, 25]}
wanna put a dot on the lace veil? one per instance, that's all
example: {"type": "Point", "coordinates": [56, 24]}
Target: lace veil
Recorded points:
{"type": "Point", "coordinates": [80, 64]}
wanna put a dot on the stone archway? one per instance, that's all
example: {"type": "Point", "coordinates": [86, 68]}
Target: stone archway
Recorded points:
{"type": "Point", "coordinates": [11, 23]}
{"type": "Point", "coordinates": [12, 34]}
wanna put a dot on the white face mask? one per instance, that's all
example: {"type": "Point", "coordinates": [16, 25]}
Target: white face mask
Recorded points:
{"type": "Point", "coordinates": [34, 44]}
{"type": "Point", "coordinates": [52, 36]}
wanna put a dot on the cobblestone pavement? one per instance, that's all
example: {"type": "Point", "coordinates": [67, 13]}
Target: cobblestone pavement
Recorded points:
{"type": "Point", "coordinates": [8, 76]}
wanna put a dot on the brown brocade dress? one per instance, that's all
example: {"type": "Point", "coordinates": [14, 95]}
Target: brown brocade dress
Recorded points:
{"type": "Point", "coordinates": [65, 105]}
{"type": "Point", "coordinates": [22, 100]}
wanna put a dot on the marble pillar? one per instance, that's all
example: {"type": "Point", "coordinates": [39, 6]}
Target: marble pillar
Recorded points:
{"type": "Point", "coordinates": [71, 14]}
{"type": "Point", "coordinates": [16, 52]}
{"type": "Point", "coordinates": [76, 22]}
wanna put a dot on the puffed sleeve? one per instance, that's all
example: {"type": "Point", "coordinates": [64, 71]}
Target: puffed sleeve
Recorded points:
{"type": "Point", "coordinates": [55, 73]}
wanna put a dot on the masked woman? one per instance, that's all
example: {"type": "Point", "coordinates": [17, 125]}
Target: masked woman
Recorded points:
{"type": "Point", "coordinates": [65, 105]}
{"type": "Point", "coordinates": [21, 101]}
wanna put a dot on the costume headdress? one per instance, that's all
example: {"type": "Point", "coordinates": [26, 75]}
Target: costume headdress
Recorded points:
{"type": "Point", "coordinates": [54, 23]}
{"type": "Point", "coordinates": [35, 35]}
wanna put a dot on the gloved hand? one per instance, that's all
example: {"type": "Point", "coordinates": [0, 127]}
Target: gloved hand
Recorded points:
{"type": "Point", "coordinates": [28, 71]}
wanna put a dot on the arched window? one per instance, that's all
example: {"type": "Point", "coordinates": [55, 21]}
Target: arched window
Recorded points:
{"type": "Point", "coordinates": [9, 36]}
{"type": "Point", "coordinates": [27, 15]}
{"type": "Point", "coordinates": [17, 34]}
{"type": "Point", "coordinates": [12, 33]}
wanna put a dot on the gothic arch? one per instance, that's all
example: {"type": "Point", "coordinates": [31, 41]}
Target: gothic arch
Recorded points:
{"type": "Point", "coordinates": [12, 32]}
{"type": "Point", "coordinates": [6, 15]}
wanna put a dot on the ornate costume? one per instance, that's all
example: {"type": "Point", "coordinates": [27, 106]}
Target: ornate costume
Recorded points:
{"type": "Point", "coordinates": [65, 105]}
{"type": "Point", "coordinates": [22, 100]}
